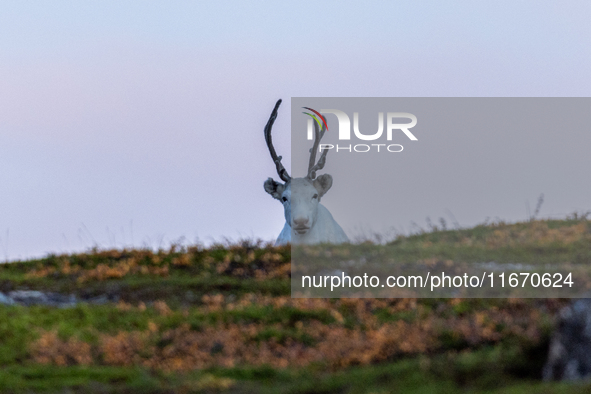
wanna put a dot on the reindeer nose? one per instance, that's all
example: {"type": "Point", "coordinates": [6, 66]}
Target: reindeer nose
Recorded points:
{"type": "Point", "coordinates": [301, 222]}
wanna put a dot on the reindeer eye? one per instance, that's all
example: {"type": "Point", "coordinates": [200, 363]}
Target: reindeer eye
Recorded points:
{"type": "Point", "coordinates": [315, 196]}
{"type": "Point", "coordinates": [284, 199]}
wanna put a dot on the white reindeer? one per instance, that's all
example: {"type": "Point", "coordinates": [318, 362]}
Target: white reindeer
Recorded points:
{"type": "Point", "coordinates": [306, 220]}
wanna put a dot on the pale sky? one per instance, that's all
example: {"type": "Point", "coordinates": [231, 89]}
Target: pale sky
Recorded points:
{"type": "Point", "coordinates": [137, 123]}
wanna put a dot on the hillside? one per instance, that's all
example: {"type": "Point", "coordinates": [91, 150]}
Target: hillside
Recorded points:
{"type": "Point", "coordinates": [196, 319]}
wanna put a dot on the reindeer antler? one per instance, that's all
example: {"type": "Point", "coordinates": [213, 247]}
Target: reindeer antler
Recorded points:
{"type": "Point", "coordinates": [276, 159]}
{"type": "Point", "coordinates": [312, 166]}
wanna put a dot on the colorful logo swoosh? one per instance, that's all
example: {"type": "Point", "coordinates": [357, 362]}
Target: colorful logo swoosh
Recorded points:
{"type": "Point", "coordinates": [315, 118]}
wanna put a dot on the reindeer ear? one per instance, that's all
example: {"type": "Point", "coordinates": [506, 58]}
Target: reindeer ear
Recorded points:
{"type": "Point", "coordinates": [323, 183]}
{"type": "Point", "coordinates": [275, 189]}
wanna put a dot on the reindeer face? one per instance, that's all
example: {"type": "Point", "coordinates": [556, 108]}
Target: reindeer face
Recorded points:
{"type": "Point", "coordinates": [300, 198]}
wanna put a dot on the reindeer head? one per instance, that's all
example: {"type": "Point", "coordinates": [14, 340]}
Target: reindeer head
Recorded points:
{"type": "Point", "coordinates": [299, 196]}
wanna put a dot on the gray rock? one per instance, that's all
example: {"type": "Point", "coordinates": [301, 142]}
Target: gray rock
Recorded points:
{"type": "Point", "coordinates": [61, 300]}
{"type": "Point", "coordinates": [33, 297]}
{"type": "Point", "coordinates": [569, 357]}
{"type": "Point", "coordinates": [28, 297]}
{"type": "Point", "coordinates": [5, 300]}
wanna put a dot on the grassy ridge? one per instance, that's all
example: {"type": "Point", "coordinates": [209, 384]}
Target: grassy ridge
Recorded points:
{"type": "Point", "coordinates": [195, 319]}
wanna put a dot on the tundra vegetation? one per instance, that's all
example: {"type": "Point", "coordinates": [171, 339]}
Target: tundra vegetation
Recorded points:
{"type": "Point", "coordinates": [194, 319]}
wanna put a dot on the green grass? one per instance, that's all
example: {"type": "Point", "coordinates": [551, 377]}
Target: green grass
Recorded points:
{"type": "Point", "coordinates": [481, 372]}
{"type": "Point", "coordinates": [509, 362]}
